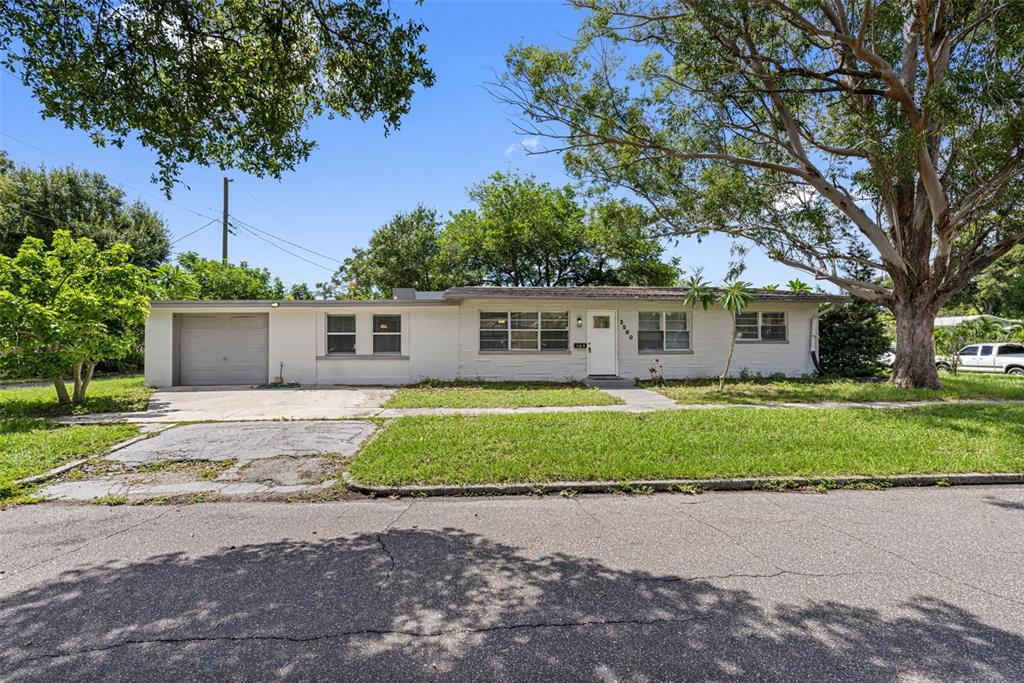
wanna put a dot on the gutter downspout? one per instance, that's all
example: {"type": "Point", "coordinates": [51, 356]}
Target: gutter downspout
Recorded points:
{"type": "Point", "coordinates": [814, 344]}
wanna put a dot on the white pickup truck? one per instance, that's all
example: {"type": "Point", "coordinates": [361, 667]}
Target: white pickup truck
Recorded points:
{"type": "Point", "coordinates": [1004, 358]}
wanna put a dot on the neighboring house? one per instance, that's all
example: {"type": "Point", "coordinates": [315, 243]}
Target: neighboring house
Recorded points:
{"type": "Point", "coordinates": [491, 333]}
{"type": "Point", "coordinates": [954, 320]}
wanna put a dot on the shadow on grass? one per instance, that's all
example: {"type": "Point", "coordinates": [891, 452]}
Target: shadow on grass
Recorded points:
{"type": "Point", "coordinates": [451, 605]}
{"type": "Point", "coordinates": [973, 420]}
{"type": "Point", "coordinates": [42, 403]}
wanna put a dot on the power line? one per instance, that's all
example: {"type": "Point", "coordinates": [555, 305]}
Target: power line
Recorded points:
{"type": "Point", "coordinates": [31, 213]}
{"type": "Point", "coordinates": [205, 225]}
{"type": "Point", "coordinates": [122, 185]}
{"type": "Point", "coordinates": [272, 212]}
{"type": "Point", "coordinates": [281, 239]}
{"type": "Point", "coordinates": [278, 246]}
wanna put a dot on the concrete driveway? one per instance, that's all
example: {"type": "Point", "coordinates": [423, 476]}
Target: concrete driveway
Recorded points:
{"type": "Point", "coordinates": [901, 585]}
{"type": "Point", "coordinates": [226, 404]}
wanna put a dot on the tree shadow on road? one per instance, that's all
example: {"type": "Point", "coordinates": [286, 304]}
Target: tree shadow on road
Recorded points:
{"type": "Point", "coordinates": [456, 606]}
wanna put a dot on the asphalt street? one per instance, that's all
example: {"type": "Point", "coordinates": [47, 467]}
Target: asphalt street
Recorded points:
{"type": "Point", "coordinates": [907, 585]}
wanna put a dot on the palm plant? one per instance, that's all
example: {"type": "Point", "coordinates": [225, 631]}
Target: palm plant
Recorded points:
{"type": "Point", "coordinates": [735, 297]}
{"type": "Point", "coordinates": [798, 286]}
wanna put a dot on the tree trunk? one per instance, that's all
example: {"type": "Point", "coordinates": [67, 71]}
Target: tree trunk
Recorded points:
{"type": "Point", "coordinates": [915, 346]}
{"type": "Point", "coordinates": [90, 367]}
{"type": "Point", "coordinates": [728, 359]}
{"type": "Point", "coordinates": [76, 397]}
{"type": "Point", "coordinates": [62, 390]}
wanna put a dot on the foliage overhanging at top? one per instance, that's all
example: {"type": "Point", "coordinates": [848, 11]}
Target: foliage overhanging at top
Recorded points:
{"type": "Point", "coordinates": [226, 82]}
{"type": "Point", "coordinates": [806, 126]}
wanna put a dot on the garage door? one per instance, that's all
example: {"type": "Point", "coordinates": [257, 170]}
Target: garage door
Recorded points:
{"type": "Point", "coordinates": [222, 349]}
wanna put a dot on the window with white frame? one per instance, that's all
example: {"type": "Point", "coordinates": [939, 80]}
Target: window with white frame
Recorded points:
{"type": "Point", "coordinates": [524, 330]}
{"type": "Point", "coordinates": [387, 334]}
{"type": "Point", "coordinates": [761, 326]}
{"type": "Point", "coordinates": [663, 331]}
{"type": "Point", "coordinates": [341, 334]}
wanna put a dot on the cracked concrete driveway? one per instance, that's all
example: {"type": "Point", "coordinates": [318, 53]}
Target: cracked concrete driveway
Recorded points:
{"type": "Point", "coordinates": [271, 458]}
{"type": "Point", "coordinates": [899, 585]}
{"type": "Point", "coordinates": [226, 404]}
{"type": "Point", "coordinates": [248, 441]}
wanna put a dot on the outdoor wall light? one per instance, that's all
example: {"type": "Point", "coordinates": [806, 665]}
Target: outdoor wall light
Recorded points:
{"type": "Point", "coordinates": [579, 322]}
{"type": "Point", "coordinates": [274, 305]}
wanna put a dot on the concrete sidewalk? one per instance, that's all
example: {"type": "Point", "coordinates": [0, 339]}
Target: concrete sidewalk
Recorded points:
{"type": "Point", "coordinates": [224, 405]}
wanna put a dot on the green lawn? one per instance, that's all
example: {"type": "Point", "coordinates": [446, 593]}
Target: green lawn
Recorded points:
{"type": "Point", "coordinates": [727, 442]}
{"type": "Point", "coordinates": [122, 394]}
{"type": "Point", "coordinates": [960, 386]}
{"type": "Point", "coordinates": [30, 447]}
{"type": "Point", "coordinates": [466, 394]}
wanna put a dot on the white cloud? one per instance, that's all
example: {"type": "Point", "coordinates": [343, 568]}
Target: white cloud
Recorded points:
{"type": "Point", "coordinates": [526, 144]}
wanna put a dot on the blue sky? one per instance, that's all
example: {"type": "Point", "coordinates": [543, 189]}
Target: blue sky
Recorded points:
{"type": "Point", "coordinates": [357, 179]}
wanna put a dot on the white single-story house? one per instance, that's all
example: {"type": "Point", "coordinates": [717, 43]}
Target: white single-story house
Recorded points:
{"type": "Point", "coordinates": [954, 320]}
{"type": "Point", "coordinates": [489, 333]}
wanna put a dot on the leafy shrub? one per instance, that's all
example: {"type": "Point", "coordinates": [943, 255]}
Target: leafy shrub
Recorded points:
{"type": "Point", "coordinates": [853, 337]}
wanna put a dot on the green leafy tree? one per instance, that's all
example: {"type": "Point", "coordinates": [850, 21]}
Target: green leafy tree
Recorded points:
{"type": "Point", "coordinates": [37, 202]}
{"type": "Point", "coordinates": [1000, 287]}
{"type": "Point", "coordinates": [521, 233]}
{"type": "Point", "coordinates": [301, 292]}
{"type": "Point", "coordinates": [804, 128]}
{"type": "Point", "coordinates": [525, 233]}
{"type": "Point", "coordinates": [65, 308]}
{"type": "Point", "coordinates": [404, 252]}
{"type": "Point", "coordinates": [216, 280]}
{"type": "Point", "coordinates": [232, 84]}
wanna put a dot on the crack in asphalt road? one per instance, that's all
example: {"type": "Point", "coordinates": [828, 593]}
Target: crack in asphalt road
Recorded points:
{"type": "Point", "coordinates": [369, 632]}
{"type": "Point", "coordinates": [917, 565]}
{"type": "Point", "coordinates": [384, 548]}
{"type": "Point", "coordinates": [94, 541]}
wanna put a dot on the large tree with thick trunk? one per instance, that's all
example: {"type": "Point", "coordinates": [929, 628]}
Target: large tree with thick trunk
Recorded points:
{"type": "Point", "coordinates": [808, 128]}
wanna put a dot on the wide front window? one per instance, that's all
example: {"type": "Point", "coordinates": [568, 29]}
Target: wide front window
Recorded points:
{"type": "Point", "coordinates": [761, 326]}
{"type": "Point", "coordinates": [341, 334]}
{"type": "Point", "coordinates": [387, 334]}
{"type": "Point", "coordinates": [524, 330]}
{"type": "Point", "coordinates": [663, 331]}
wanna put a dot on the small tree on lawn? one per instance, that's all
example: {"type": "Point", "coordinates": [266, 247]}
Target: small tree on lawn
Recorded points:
{"type": "Point", "coordinates": [64, 309]}
{"type": "Point", "coordinates": [734, 299]}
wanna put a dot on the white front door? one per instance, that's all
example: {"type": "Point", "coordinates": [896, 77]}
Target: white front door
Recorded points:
{"type": "Point", "coordinates": [602, 355]}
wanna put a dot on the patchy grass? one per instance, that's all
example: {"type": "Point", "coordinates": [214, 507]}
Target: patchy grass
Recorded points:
{"type": "Point", "coordinates": [954, 387]}
{"type": "Point", "coordinates": [468, 394]}
{"type": "Point", "coordinates": [123, 394]}
{"type": "Point", "coordinates": [728, 442]}
{"type": "Point", "coordinates": [29, 447]}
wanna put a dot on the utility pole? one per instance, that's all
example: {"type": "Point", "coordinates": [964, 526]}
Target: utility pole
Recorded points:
{"type": "Point", "coordinates": [224, 240]}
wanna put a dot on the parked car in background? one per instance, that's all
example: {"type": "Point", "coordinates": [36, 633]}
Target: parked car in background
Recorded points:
{"type": "Point", "coordinates": [888, 359]}
{"type": "Point", "coordinates": [995, 357]}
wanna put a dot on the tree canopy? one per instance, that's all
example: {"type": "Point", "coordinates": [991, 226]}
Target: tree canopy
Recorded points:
{"type": "Point", "coordinates": [37, 202]}
{"type": "Point", "coordinates": [195, 277]}
{"type": "Point", "coordinates": [232, 84]}
{"type": "Point", "coordinates": [807, 129]}
{"type": "Point", "coordinates": [66, 307]}
{"type": "Point", "coordinates": [521, 232]}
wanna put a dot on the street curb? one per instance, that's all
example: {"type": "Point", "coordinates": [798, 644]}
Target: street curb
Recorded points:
{"type": "Point", "coordinates": [686, 485]}
{"type": "Point", "coordinates": [68, 466]}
